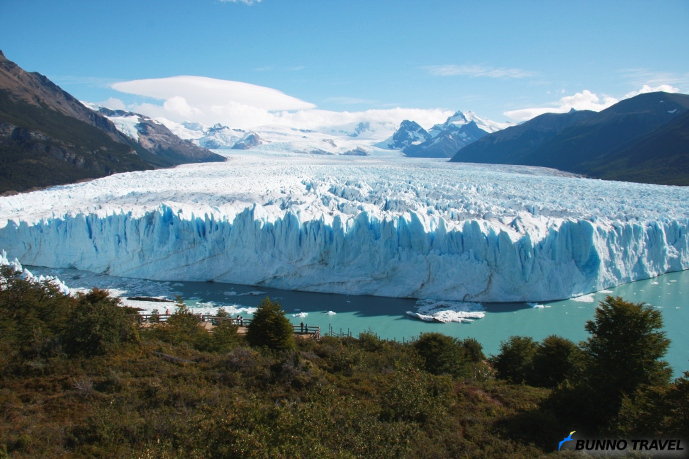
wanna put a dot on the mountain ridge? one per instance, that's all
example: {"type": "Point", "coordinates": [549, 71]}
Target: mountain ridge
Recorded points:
{"type": "Point", "coordinates": [584, 142]}
{"type": "Point", "coordinates": [48, 137]}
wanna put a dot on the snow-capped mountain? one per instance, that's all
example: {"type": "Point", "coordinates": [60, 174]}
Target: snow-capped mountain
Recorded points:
{"type": "Point", "coordinates": [442, 140]}
{"type": "Point", "coordinates": [156, 138]}
{"type": "Point", "coordinates": [409, 134]}
{"type": "Point", "coordinates": [486, 125]}
{"type": "Point", "coordinates": [248, 142]}
{"type": "Point", "coordinates": [350, 139]}
{"type": "Point", "coordinates": [219, 137]}
{"type": "Point", "coordinates": [355, 138]}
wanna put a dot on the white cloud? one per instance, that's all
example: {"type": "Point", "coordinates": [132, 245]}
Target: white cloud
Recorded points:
{"type": "Point", "coordinates": [203, 91]}
{"type": "Point", "coordinates": [113, 103]}
{"type": "Point", "coordinates": [585, 100]}
{"type": "Point", "coordinates": [646, 89]}
{"type": "Point", "coordinates": [477, 71]}
{"type": "Point", "coordinates": [246, 106]}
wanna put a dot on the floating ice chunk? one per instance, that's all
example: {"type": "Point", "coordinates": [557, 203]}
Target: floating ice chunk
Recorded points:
{"type": "Point", "coordinates": [300, 314]}
{"type": "Point", "coordinates": [584, 298]}
{"type": "Point", "coordinates": [331, 313]}
{"type": "Point", "coordinates": [536, 305]}
{"type": "Point", "coordinates": [447, 311]}
{"type": "Point", "coordinates": [604, 291]}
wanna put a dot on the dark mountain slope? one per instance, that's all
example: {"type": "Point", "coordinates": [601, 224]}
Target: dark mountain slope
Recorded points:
{"type": "Point", "coordinates": [155, 138]}
{"type": "Point", "coordinates": [631, 135]}
{"type": "Point", "coordinates": [612, 128]}
{"type": "Point", "coordinates": [512, 145]}
{"type": "Point", "coordinates": [47, 137]}
{"type": "Point", "coordinates": [37, 90]}
{"type": "Point", "coordinates": [41, 147]}
{"type": "Point", "coordinates": [661, 156]}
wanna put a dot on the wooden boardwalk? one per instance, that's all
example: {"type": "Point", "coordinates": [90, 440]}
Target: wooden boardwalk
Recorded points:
{"type": "Point", "coordinates": [208, 322]}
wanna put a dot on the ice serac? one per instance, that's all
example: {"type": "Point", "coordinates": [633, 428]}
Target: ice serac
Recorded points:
{"type": "Point", "coordinates": [398, 257]}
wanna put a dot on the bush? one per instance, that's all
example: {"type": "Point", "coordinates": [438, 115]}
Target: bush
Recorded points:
{"type": "Point", "coordinates": [473, 350]}
{"type": "Point", "coordinates": [441, 354]}
{"type": "Point", "coordinates": [515, 361]}
{"type": "Point", "coordinates": [270, 328]}
{"type": "Point", "coordinates": [555, 360]}
{"type": "Point", "coordinates": [623, 355]}
{"type": "Point", "coordinates": [98, 325]}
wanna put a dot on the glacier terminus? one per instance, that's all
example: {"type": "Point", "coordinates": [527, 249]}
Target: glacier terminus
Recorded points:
{"type": "Point", "coordinates": [377, 225]}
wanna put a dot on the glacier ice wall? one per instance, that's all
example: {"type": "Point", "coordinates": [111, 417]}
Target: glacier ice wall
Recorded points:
{"type": "Point", "coordinates": [330, 234]}
{"type": "Point", "coordinates": [367, 256]}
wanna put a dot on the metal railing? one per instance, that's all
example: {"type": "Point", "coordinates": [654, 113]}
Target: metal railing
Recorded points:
{"type": "Point", "coordinates": [215, 320]}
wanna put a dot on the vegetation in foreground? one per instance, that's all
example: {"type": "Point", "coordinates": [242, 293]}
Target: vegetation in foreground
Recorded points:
{"type": "Point", "coordinates": [80, 378]}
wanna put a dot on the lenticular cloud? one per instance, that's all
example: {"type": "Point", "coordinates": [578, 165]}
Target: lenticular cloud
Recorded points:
{"type": "Point", "coordinates": [202, 91]}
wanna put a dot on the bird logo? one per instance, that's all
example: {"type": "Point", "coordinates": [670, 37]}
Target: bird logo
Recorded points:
{"type": "Point", "coordinates": [566, 439]}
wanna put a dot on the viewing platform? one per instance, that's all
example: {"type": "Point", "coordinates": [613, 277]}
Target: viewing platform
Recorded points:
{"type": "Point", "coordinates": [208, 322]}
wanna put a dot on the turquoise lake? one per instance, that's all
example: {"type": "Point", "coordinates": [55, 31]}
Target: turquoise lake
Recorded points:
{"type": "Point", "coordinates": [387, 316]}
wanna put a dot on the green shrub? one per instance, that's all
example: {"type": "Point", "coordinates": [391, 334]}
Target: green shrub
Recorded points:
{"type": "Point", "coordinates": [514, 363]}
{"type": "Point", "coordinates": [270, 328]}
{"type": "Point", "coordinates": [98, 325]}
{"type": "Point", "coordinates": [441, 354]}
{"type": "Point", "coordinates": [556, 360]}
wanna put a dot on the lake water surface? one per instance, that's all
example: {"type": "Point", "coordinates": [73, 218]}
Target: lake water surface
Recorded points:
{"type": "Point", "coordinates": [387, 316]}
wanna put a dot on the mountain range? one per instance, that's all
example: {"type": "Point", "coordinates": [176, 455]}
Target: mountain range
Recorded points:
{"type": "Point", "coordinates": [47, 137]}
{"type": "Point", "coordinates": [644, 139]}
{"type": "Point", "coordinates": [442, 140]}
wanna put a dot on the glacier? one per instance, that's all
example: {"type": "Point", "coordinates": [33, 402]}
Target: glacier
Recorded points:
{"type": "Point", "coordinates": [377, 225]}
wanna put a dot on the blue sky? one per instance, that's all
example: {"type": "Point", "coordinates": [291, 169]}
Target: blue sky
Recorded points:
{"type": "Point", "coordinates": [503, 60]}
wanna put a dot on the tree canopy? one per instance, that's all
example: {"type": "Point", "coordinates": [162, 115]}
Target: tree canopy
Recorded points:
{"type": "Point", "coordinates": [270, 328]}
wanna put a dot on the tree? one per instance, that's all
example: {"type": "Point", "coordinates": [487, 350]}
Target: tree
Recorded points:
{"type": "Point", "coordinates": [442, 354]}
{"type": "Point", "coordinates": [626, 346]}
{"type": "Point", "coordinates": [555, 360]}
{"type": "Point", "coordinates": [657, 411]}
{"type": "Point", "coordinates": [97, 325]}
{"type": "Point", "coordinates": [270, 328]}
{"type": "Point", "coordinates": [515, 361]}
{"type": "Point", "coordinates": [622, 358]}
{"type": "Point", "coordinates": [473, 350]}
{"type": "Point", "coordinates": [182, 325]}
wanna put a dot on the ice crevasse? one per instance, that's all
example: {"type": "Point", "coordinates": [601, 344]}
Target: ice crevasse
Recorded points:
{"type": "Point", "coordinates": [395, 228]}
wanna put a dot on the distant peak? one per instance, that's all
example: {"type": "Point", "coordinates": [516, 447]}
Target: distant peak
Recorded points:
{"type": "Point", "coordinates": [458, 116]}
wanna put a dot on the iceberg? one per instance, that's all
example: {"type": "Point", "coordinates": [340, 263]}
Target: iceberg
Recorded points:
{"type": "Point", "coordinates": [395, 227]}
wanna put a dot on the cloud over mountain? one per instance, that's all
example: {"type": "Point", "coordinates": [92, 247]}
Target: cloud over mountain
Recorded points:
{"type": "Point", "coordinates": [585, 100]}
{"type": "Point", "coordinates": [244, 105]}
